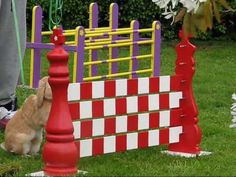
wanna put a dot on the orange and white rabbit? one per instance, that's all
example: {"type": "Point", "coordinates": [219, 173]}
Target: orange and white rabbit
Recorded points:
{"type": "Point", "coordinates": [23, 133]}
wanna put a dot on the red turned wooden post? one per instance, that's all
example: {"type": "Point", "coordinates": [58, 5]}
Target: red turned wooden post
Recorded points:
{"type": "Point", "coordinates": [59, 153]}
{"type": "Point", "coordinates": [185, 67]}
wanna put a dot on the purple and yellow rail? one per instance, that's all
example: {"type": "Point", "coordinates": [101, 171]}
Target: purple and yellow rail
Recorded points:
{"type": "Point", "coordinates": [92, 40]}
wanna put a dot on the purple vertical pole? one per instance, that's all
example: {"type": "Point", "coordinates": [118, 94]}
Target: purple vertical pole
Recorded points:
{"type": "Point", "coordinates": [80, 54]}
{"type": "Point", "coordinates": [135, 47]}
{"type": "Point", "coordinates": [37, 39]}
{"type": "Point", "coordinates": [114, 21]}
{"type": "Point", "coordinates": [94, 24]}
{"type": "Point", "coordinates": [157, 48]}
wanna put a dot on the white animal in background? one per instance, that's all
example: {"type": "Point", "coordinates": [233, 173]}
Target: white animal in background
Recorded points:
{"type": "Point", "coordinates": [233, 112]}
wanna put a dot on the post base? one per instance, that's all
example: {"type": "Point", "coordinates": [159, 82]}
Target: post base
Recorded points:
{"type": "Point", "coordinates": [187, 155]}
{"type": "Point", "coordinates": [41, 173]}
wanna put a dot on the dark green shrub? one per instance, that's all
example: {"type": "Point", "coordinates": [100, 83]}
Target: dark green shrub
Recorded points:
{"type": "Point", "coordinates": [75, 13]}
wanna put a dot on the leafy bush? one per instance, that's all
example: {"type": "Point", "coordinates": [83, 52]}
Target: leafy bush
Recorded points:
{"type": "Point", "coordinates": [75, 13]}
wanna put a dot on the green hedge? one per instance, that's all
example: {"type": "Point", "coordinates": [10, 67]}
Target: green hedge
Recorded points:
{"type": "Point", "coordinates": [75, 12]}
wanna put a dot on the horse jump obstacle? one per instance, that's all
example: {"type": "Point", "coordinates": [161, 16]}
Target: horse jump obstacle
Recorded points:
{"type": "Point", "coordinates": [118, 115]}
{"type": "Point", "coordinates": [96, 38]}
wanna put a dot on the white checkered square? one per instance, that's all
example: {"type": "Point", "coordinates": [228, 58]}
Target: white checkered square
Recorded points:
{"type": "Point", "coordinates": [109, 144]}
{"type": "Point", "coordinates": [85, 109]}
{"type": "Point", "coordinates": [143, 85]}
{"type": "Point", "coordinates": [121, 124]}
{"type": "Point", "coordinates": [98, 89]}
{"type": "Point", "coordinates": [98, 127]}
{"type": "Point", "coordinates": [74, 92]}
{"type": "Point", "coordinates": [86, 148]}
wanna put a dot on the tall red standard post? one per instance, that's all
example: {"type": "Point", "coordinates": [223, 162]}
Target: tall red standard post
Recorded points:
{"type": "Point", "coordinates": [59, 153]}
{"type": "Point", "coordinates": [185, 67]}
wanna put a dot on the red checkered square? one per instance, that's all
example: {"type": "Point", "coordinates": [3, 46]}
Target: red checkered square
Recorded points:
{"type": "Point", "coordinates": [74, 110]}
{"type": "Point", "coordinates": [121, 142]}
{"type": "Point", "coordinates": [164, 136]}
{"type": "Point", "coordinates": [98, 110]}
{"type": "Point", "coordinates": [86, 129]}
{"type": "Point", "coordinates": [110, 88]}
{"type": "Point", "coordinates": [133, 123]}
{"type": "Point", "coordinates": [133, 87]}
{"type": "Point", "coordinates": [121, 107]}
{"type": "Point", "coordinates": [143, 140]}
{"type": "Point", "coordinates": [164, 101]}
{"type": "Point", "coordinates": [98, 146]}
{"type": "Point", "coordinates": [154, 120]}
{"type": "Point", "coordinates": [86, 90]}
{"type": "Point", "coordinates": [154, 85]}
{"type": "Point", "coordinates": [143, 103]}
{"type": "Point", "coordinates": [110, 126]}
{"type": "Point", "coordinates": [77, 144]}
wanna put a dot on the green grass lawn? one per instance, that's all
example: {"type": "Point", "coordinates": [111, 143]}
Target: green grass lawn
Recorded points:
{"type": "Point", "coordinates": [214, 83]}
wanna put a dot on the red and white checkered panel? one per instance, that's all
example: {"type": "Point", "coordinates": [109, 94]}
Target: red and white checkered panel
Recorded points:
{"type": "Point", "coordinates": [122, 87]}
{"type": "Point", "coordinates": [129, 141]}
{"type": "Point", "coordinates": [119, 115]}
{"type": "Point", "coordinates": [126, 123]}
{"type": "Point", "coordinates": [124, 105]}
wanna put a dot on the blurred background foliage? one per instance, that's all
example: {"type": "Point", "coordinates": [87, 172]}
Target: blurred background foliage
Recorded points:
{"type": "Point", "coordinates": [75, 13]}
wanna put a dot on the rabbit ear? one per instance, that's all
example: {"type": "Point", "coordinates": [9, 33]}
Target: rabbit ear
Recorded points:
{"type": "Point", "coordinates": [41, 92]}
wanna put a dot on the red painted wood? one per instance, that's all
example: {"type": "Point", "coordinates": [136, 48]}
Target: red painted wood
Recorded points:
{"type": "Point", "coordinates": [121, 142]}
{"type": "Point", "coordinates": [98, 109]}
{"type": "Point", "coordinates": [132, 87]}
{"type": "Point", "coordinates": [74, 110]}
{"type": "Point", "coordinates": [98, 146]}
{"type": "Point", "coordinates": [143, 103]}
{"type": "Point", "coordinates": [164, 136]}
{"type": "Point", "coordinates": [121, 107]}
{"type": "Point", "coordinates": [185, 67]}
{"type": "Point", "coordinates": [154, 120]}
{"type": "Point", "coordinates": [86, 129]}
{"type": "Point", "coordinates": [154, 85]}
{"type": "Point", "coordinates": [175, 83]}
{"type": "Point", "coordinates": [60, 154]}
{"type": "Point", "coordinates": [110, 126]}
{"type": "Point", "coordinates": [164, 101]}
{"type": "Point", "coordinates": [143, 140]}
{"type": "Point", "coordinates": [132, 123]}
{"type": "Point", "coordinates": [86, 90]}
{"type": "Point", "coordinates": [175, 117]}
{"type": "Point", "coordinates": [110, 88]}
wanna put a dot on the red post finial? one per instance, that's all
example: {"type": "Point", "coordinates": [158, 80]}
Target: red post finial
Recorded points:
{"type": "Point", "coordinates": [57, 37]}
{"type": "Point", "coordinates": [185, 68]}
{"type": "Point", "coordinates": [59, 153]}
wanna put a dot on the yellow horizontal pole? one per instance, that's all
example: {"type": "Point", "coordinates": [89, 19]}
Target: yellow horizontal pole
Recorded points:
{"type": "Point", "coordinates": [107, 42]}
{"type": "Point", "coordinates": [97, 40]}
{"type": "Point", "coordinates": [45, 33]}
{"type": "Point", "coordinates": [92, 78]}
{"type": "Point", "coordinates": [69, 34]}
{"type": "Point", "coordinates": [70, 31]}
{"type": "Point", "coordinates": [145, 30]}
{"type": "Point", "coordinates": [99, 30]}
{"type": "Point", "coordinates": [117, 75]}
{"type": "Point", "coordinates": [66, 33]}
{"type": "Point", "coordinates": [116, 60]}
{"type": "Point", "coordinates": [118, 45]}
{"type": "Point", "coordinates": [70, 43]}
{"type": "Point", "coordinates": [109, 33]}
{"type": "Point", "coordinates": [145, 42]}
